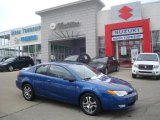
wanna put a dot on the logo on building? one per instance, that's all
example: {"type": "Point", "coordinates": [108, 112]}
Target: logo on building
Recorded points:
{"type": "Point", "coordinates": [125, 12]}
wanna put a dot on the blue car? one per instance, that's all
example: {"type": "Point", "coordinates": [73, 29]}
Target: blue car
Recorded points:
{"type": "Point", "coordinates": [76, 83]}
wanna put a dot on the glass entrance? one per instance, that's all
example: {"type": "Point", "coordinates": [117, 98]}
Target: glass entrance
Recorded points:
{"type": "Point", "coordinates": [127, 50]}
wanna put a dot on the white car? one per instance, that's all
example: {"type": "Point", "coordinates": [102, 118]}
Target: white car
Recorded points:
{"type": "Point", "coordinates": [146, 64]}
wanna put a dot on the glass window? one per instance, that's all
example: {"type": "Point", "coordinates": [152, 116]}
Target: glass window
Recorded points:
{"type": "Point", "coordinates": [42, 69]}
{"type": "Point", "coordinates": [84, 72]}
{"type": "Point", "coordinates": [156, 41]}
{"type": "Point", "coordinates": [72, 58]}
{"type": "Point", "coordinates": [38, 48]}
{"type": "Point", "coordinates": [60, 72]}
{"type": "Point", "coordinates": [103, 59]}
{"type": "Point", "coordinates": [147, 57]}
{"type": "Point", "coordinates": [32, 49]}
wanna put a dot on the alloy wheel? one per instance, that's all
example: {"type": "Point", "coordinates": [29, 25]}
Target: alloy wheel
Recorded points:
{"type": "Point", "coordinates": [90, 104]}
{"type": "Point", "coordinates": [28, 92]}
{"type": "Point", "coordinates": [10, 68]}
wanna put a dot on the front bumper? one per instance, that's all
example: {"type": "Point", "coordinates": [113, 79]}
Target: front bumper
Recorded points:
{"type": "Point", "coordinates": [18, 84]}
{"type": "Point", "coordinates": [3, 68]}
{"type": "Point", "coordinates": [154, 72]}
{"type": "Point", "coordinates": [117, 102]}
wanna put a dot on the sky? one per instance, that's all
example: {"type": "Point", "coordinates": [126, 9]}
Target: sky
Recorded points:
{"type": "Point", "coordinates": [20, 13]}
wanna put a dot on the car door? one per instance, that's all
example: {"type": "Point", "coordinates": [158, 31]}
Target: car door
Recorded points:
{"type": "Point", "coordinates": [61, 84]}
{"type": "Point", "coordinates": [110, 64]}
{"type": "Point", "coordinates": [17, 63]}
{"type": "Point", "coordinates": [40, 80]}
{"type": "Point", "coordinates": [115, 63]}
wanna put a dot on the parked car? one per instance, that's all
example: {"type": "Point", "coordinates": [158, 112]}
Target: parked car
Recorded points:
{"type": "Point", "coordinates": [146, 64]}
{"type": "Point", "coordinates": [16, 63]}
{"type": "Point", "coordinates": [2, 59]}
{"type": "Point", "coordinates": [83, 58]}
{"type": "Point", "coordinates": [105, 64]}
{"type": "Point", "coordinates": [76, 83]}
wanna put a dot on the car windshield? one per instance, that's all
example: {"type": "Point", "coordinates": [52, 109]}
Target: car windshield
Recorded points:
{"type": "Point", "coordinates": [10, 59]}
{"type": "Point", "coordinates": [103, 59]}
{"type": "Point", "coordinates": [84, 72]}
{"type": "Point", "coordinates": [147, 57]}
{"type": "Point", "coordinates": [71, 58]}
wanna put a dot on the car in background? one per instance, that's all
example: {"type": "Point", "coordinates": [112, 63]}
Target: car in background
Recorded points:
{"type": "Point", "coordinates": [105, 64]}
{"type": "Point", "coordinates": [16, 63]}
{"type": "Point", "coordinates": [146, 64]}
{"type": "Point", "coordinates": [83, 58]}
{"type": "Point", "coordinates": [76, 83]}
{"type": "Point", "coordinates": [2, 59]}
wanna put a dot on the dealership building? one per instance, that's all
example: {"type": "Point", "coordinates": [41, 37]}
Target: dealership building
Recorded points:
{"type": "Point", "coordinates": [83, 27]}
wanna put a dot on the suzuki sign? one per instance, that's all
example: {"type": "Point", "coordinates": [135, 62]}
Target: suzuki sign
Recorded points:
{"type": "Point", "coordinates": [126, 12]}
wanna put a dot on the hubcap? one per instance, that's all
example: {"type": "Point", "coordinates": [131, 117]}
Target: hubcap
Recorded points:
{"type": "Point", "coordinates": [27, 92]}
{"type": "Point", "coordinates": [89, 104]}
{"type": "Point", "coordinates": [10, 68]}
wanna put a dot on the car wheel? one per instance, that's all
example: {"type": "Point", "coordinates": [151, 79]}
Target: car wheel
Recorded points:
{"type": "Point", "coordinates": [10, 68]}
{"type": "Point", "coordinates": [106, 71]}
{"type": "Point", "coordinates": [90, 104]}
{"type": "Point", "coordinates": [133, 76]}
{"type": "Point", "coordinates": [28, 92]}
{"type": "Point", "coordinates": [118, 67]}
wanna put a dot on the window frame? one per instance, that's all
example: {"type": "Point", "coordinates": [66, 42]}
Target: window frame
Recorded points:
{"type": "Point", "coordinates": [73, 77]}
{"type": "Point", "coordinates": [46, 73]}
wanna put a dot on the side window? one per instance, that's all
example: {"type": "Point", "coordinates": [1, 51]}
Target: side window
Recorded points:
{"type": "Point", "coordinates": [60, 72]}
{"type": "Point", "coordinates": [42, 69]}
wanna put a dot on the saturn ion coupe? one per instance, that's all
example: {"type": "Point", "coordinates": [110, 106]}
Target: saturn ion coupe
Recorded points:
{"type": "Point", "coordinates": [76, 83]}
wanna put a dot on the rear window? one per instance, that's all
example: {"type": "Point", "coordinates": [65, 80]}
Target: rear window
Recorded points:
{"type": "Point", "coordinates": [71, 58]}
{"type": "Point", "coordinates": [147, 57]}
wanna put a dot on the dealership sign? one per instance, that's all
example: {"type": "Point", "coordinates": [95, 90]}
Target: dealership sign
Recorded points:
{"type": "Point", "coordinates": [126, 12]}
{"type": "Point", "coordinates": [127, 37]}
{"type": "Point", "coordinates": [127, 31]}
{"type": "Point", "coordinates": [63, 25]}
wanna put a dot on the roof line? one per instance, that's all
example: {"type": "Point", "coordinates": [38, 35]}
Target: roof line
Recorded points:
{"type": "Point", "coordinates": [66, 5]}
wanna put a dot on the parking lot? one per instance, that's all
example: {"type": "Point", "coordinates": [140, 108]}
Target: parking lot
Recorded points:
{"type": "Point", "coordinates": [14, 107]}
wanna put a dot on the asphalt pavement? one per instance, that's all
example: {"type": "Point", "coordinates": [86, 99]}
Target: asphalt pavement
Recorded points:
{"type": "Point", "coordinates": [14, 107]}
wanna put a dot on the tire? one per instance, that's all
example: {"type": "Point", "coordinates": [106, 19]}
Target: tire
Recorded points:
{"type": "Point", "coordinates": [158, 77]}
{"type": "Point", "coordinates": [133, 76]}
{"type": "Point", "coordinates": [28, 92]}
{"type": "Point", "coordinates": [90, 104]}
{"type": "Point", "coordinates": [117, 69]}
{"type": "Point", "coordinates": [106, 71]}
{"type": "Point", "coordinates": [10, 68]}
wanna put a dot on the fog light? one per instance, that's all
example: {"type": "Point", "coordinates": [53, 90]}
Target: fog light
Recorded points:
{"type": "Point", "coordinates": [122, 106]}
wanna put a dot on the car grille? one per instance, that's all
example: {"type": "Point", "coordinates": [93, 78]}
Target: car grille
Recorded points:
{"type": "Point", "coordinates": [145, 67]}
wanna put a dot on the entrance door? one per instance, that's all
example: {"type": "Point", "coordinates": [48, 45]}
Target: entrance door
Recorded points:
{"type": "Point", "coordinates": [125, 48]}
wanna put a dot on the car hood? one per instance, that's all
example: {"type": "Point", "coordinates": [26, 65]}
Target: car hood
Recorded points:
{"type": "Point", "coordinates": [3, 63]}
{"type": "Point", "coordinates": [147, 62]}
{"type": "Point", "coordinates": [111, 83]}
{"type": "Point", "coordinates": [95, 64]}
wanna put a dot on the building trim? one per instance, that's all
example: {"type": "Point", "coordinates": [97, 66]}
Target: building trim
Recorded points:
{"type": "Point", "coordinates": [145, 24]}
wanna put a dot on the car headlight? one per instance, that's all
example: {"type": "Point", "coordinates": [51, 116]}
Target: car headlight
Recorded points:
{"type": "Point", "coordinates": [135, 65]}
{"type": "Point", "coordinates": [100, 66]}
{"type": "Point", "coordinates": [118, 93]}
{"type": "Point", "coordinates": [155, 66]}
